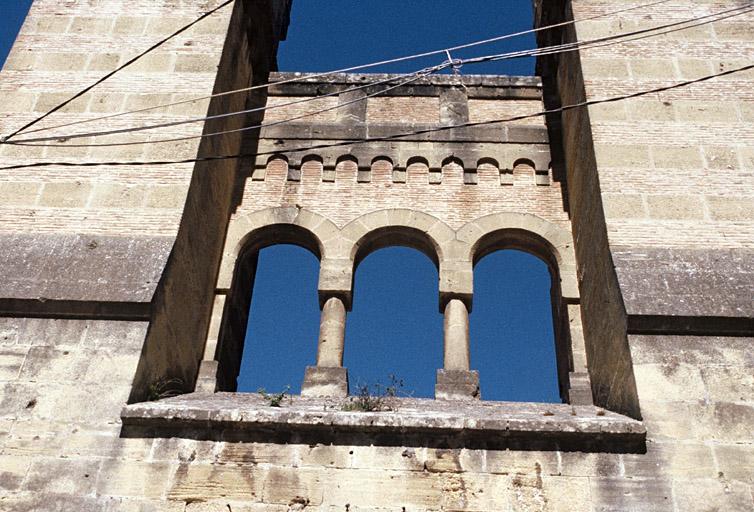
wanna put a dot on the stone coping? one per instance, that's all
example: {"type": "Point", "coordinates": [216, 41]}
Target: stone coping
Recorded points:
{"type": "Point", "coordinates": [436, 79]}
{"type": "Point", "coordinates": [475, 86]}
{"type": "Point", "coordinates": [421, 422]}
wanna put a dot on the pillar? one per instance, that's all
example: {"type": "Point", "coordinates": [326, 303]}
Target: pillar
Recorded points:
{"type": "Point", "coordinates": [329, 378]}
{"type": "Point", "coordinates": [456, 328]}
{"type": "Point", "coordinates": [455, 381]}
{"type": "Point", "coordinates": [332, 333]}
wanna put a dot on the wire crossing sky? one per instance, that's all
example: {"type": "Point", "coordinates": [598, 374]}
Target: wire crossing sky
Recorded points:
{"type": "Point", "coordinates": [451, 62]}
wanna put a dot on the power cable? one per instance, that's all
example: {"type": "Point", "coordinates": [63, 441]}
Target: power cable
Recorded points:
{"type": "Point", "coordinates": [345, 70]}
{"type": "Point", "coordinates": [641, 34]}
{"type": "Point", "coordinates": [413, 77]}
{"type": "Point", "coordinates": [25, 142]}
{"type": "Point", "coordinates": [556, 49]}
{"type": "Point", "coordinates": [387, 137]}
{"type": "Point", "coordinates": [119, 68]}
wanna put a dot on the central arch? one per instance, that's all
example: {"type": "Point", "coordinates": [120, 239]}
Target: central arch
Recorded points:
{"type": "Point", "coordinates": [394, 327]}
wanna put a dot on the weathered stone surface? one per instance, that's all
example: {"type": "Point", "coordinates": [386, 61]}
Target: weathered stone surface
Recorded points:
{"type": "Point", "coordinates": [134, 479]}
{"type": "Point", "coordinates": [697, 495]}
{"type": "Point", "coordinates": [686, 282]}
{"type": "Point", "coordinates": [638, 494]}
{"type": "Point", "coordinates": [81, 267]}
{"type": "Point", "coordinates": [471, 422]}
{"type": "Point", "coordinates": [323, 381]}
{"type": "Point", "coordinates": [61, 476]}
{"type": "Point", "coordinates": [457, 385]}
{"type": "Point", "coordinates": [12, 472]}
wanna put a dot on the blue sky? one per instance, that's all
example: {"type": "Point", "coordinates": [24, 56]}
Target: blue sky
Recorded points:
{"type": "Point", "coordinates": [395, 326]}
{"type": "Point", "coordinates": [350, 32]}
{"type": "Point", "coordinates": [12, 14]}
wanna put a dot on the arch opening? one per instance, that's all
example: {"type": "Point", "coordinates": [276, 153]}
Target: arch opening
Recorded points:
{"type": "Point", "coordinates": [394, 327]}
{"type": "Point", "coordinates": [520, 240]}
{"type": "Point", "coordinates": [283, 319]}
{"type": "Point", "coordinates": [278, 258]}
{"type": "Point", "coordinates": [514, 331]}
{"type": "Point", "coordinates": [396, 236]}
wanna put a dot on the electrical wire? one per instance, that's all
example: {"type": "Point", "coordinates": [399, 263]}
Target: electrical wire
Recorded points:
{"type": "Point", "coordinates": [25, 142]}
{"type": "Point", "coordinates": [319, 75]}
{"type": "Point", "coordinates": [413, 77]}
{"type": "Point", "coordinates": [556, 49]}
{"type": "Point", "coordinates": [641, 34]}
{"type": "Point", "coordinates": [119, 68]}
{"type": "Point", "coordinates": [386, 138]}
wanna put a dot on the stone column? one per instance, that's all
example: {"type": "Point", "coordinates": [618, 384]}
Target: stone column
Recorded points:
{"type": "Point", "coordinates": [332, 333]}
{"type": "Point", "coordinates": [456, 335]}
{"type": "Point", "coordinates": [455, 381]}
{"type": "Point", "coordinates": [329, 378]}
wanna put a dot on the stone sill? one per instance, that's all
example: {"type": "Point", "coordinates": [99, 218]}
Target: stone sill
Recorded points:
{"type": "Point", "coordinates": [413, 422]}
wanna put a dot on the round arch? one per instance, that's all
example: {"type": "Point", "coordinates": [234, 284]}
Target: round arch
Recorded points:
{"type": "Point", "coordinates": [252, 232]}
{"type": "Point", "coordinates": [397, 227]}
{"type": "Point", "coordinates": [520, 231]}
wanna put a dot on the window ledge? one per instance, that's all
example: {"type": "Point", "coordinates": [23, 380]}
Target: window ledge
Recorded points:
{"type": "Point", "coordinates": [412, 422]}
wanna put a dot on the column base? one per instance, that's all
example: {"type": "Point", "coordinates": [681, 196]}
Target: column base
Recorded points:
{"type": "Point", "coordinates": [206, 382]}
{"type": "Point", "coordinates": [580, 391]}
{"type": "Point", "coordinates": [457, 385]}
{"type": "Point", "coordinates": [323, 381]}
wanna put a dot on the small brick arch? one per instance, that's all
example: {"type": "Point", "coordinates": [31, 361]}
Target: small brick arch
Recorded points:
{"type": "Point", "coordinates": [488, 161]}
{"type": "Point", "coordinates": [312, 158]}
{"type": "Point", "coordinates": [346, 158]}
{"type": "Point", "coordinates": [276, 157]}
{"type": "Point", "coordinates": [524, 161]}
{"type": "Point", "coordinates": [417, 160]}
{"type": "Point", "coordinates": [382, 158]}
{"type": "Point", "coordinates": [452, 159]}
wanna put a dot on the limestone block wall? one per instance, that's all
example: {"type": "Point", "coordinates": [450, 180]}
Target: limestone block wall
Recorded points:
{"type": "Point", "coordinates": [61, 49]}
{"type": "Point", "coordinates": [126, 212]}
{"type": "Point", "coordinates": [63, 381]}
{"type": "Point", "coordinates": [107, 231]}
{"type": "Point", "coordinates": [57, 454]}
{"type": "Point", "coordinates": [679, 215]}
{"type": "Point", "coordinates": [648, 183]}
{"type": "Point", "coordinates": [675, 168]}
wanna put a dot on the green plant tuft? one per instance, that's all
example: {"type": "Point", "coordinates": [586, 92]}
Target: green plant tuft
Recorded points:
{"type": "Point", "coordinates": [274, 399]}
{"type": "Point", "coordinates": [374, 398]}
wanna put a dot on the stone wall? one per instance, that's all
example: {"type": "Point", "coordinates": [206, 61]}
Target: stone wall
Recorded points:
{"type": "Point", "coordinates": [653, 188]}
{"type": "Point", "coordinates": [648, 181]}
{"type": "Point", "coordinates": [674, 167]}
{"type": "Point", "coordinates": [78, 217]}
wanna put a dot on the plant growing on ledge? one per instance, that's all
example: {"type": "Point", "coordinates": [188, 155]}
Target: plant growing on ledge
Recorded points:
{"type": "Point", "coordinates": [274, 399]}
{"type": "Point", "coordinates": [374, 398]}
